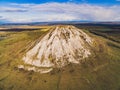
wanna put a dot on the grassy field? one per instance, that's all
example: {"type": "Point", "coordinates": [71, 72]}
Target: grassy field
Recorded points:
{"type": "Point", "coordinates": [100, 71]}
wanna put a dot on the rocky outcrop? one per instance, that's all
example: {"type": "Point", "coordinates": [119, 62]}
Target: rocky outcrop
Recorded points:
{"type": "Point", "coordinates": [59, 47]}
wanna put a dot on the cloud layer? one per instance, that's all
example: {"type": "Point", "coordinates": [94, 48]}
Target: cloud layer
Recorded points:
{"type": "Point", "coordinates": [14, 12]}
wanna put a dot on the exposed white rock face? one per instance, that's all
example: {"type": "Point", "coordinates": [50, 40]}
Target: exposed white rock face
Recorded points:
{"type": "Point", "coordinates": [60, 46]}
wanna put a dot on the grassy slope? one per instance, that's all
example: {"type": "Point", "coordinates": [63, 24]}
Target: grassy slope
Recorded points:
{"type": "Point", "coordinates": [99, 72]}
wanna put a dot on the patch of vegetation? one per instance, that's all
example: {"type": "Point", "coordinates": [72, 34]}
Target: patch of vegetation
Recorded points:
{"type": "Point", "coordinates": [106, 35]}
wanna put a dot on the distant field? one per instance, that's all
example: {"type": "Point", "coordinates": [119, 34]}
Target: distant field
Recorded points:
{"type": "Point", "coordinates": [111, 32]}
{"type": "Point", "coordinates": [99, 72]}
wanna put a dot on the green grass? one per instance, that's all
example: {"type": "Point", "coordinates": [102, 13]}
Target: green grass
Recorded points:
{"type": "Point", "coordinates": [101, 71]}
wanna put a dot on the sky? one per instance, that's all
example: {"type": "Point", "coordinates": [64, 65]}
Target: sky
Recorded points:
{"type": "Point", "coordinates": [23, 11]}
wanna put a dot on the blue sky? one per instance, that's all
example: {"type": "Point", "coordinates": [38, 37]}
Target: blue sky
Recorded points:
{"type": "Point", "coordinates": [109, 2]}
{"type": "Point", "coordinates": [19, 11]}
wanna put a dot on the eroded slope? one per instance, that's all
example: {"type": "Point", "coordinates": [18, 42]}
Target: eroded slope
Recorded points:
{"type": "Point", "coordinates": [59, 47]}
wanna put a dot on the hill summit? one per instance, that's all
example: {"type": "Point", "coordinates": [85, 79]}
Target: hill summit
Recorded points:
{"type": "Point", "coordinates": [63, 44]}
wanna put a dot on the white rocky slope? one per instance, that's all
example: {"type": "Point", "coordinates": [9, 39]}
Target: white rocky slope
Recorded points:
{"type": "Point", "coordinates": [60, 46]}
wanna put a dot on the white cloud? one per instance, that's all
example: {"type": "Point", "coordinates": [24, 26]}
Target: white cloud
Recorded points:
{"type": "Point", "coordinates": [11, 9]}
{"type": "Point", "coordinates": [59, 12]}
